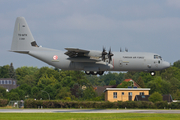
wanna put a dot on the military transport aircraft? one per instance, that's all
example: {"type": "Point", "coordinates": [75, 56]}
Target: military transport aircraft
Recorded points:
{"type": "Point", "coordinates": [91, 61]}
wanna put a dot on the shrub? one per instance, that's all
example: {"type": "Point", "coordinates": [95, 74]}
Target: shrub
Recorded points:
{"type": "Point", "coordinates": [175, 105]}
{"type": "Point", "coordinates": [3, 102]}
{"type": "Point", "coordinates": [30, 103]}
{"type": "Point", "coordinates": [161, 104]}
{"type": "Point", "coordinates": [155, 97]}
{"type": "Point", "coordinates": [145, 104]}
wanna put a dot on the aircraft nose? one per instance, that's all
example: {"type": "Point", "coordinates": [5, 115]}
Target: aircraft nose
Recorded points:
{"type": "Point", "coordinates": [166, 64]}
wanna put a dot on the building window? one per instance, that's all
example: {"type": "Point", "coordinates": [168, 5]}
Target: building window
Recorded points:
{"type": "Point", "coordinates": [2, 81]}
{"type": "Point", "coordinates": [114, 94]}
{"type": "Point", "coordinates": [5, 81]}
{"type": "Point", "coordinates": [130, 93]}
{"type": "Point", "coordinates": [10, 81]}
{"type": "Point", "coordinates": [141, 93]}
{"type": "Point", "coordinates": [122, 93]}
{"type": "Point", "coordinates": [14, 83]}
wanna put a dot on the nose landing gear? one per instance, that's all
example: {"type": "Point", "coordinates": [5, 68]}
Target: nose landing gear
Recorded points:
{"type": "Point", "coordinates": [152, 73]}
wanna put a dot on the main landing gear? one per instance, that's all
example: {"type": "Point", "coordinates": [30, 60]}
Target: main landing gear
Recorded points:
{"type": "Point", "coordinates": [94, 72]}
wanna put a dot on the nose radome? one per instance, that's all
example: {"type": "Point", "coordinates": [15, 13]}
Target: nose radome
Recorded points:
{"type": "Point", "coordinates": [166, 64]}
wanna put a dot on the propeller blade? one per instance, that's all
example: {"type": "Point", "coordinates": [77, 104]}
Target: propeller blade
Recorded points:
{"type": "Point", "coordinates": [104, 53]}
{"type": "Point", "coordinates": [110, 54]}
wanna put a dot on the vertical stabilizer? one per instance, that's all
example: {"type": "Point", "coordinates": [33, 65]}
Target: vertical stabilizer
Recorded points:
{"type": "Point", "coordinates": [23, 40]}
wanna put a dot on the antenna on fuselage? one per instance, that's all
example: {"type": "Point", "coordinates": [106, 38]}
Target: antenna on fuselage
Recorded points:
{"type": "Point", "coordinates": [120, 49]}
{"type": "Point", "coordinates": [126, 49]}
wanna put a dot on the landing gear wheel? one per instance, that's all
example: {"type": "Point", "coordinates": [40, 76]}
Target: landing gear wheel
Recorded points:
{"type": "Point", "coordinates": [87, 72]}
{"type": "Point", "coordinates": [152, 73]}
{"type": "Point", "coordinates": [93, 73]}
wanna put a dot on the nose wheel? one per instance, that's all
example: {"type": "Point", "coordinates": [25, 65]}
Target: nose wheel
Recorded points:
{"type": "Point", "coordinates": [152, 73]}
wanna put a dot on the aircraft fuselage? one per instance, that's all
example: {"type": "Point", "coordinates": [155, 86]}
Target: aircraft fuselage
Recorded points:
{"type": "Point", "coordinates": [121, 61]}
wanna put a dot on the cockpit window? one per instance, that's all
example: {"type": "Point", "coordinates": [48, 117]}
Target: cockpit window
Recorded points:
{"type": "Point", "coordinates": [156, 56]}
{"type": "Point", "coordinates": [160, 57]}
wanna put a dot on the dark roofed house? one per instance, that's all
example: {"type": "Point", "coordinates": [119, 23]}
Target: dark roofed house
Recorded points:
{"type": "Point", "coordinates": [8, 83]}
{"type": "Point", "coordinates": [167, 98]}
{"type": "Point", "coordinates": [141, 98]}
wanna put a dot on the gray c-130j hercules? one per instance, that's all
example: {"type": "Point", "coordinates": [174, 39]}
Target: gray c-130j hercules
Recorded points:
{"type": "Point", "coordinates": [91, 61]}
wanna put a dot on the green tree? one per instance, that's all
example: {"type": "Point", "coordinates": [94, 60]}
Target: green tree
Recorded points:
{"type": "Point", "coordinates": [159, 85]}
{"type": "Point", "coordinates": [48, 73]}
{"type": "Point", "coordinates": [67, 82]}
{"type": "Point", "coordinates": [12, 73]}
{"type": "Point", "coordinates": [26, 75]}
{"type": "Point", "coordinates": [63, 93]}
{"type": "Point", "coordinates": [140, 82]}
{"type": "Point", "coordinates": [34, 91]}
{"type": "Point", "coordinates": [112, 76]}
{"type": "Point", "coordinates": [4, 71]}
{"type": "Point", "coordinates": [2, 92]}
{"type": "Point", "coordinates": [176, 95]}
{"type": "Point", "coordinates": [146, 77]}
{"type": "Point", "coordinates": [102, 83]}
{"type": "Point", "coordinates": [26, 88]}
{"type": "Point", "coordinates": [46, 80]}
{"type": "Point", "coordinates": [155, 97]}
{"type": "Point", "coordinates": [94, 79]}
{"type": "Point", "coordinates": [174, 85]}
{"type": "Point", "coordinates": [172, 72]}
{"type": "Point", "coordinates": [89, 94]}
{"type": "Point", "coordinates": [51, 91]}
{"type": "Point", "coordinates": [76, 90]}
{"type": "Point", "coordinates": [112, 82]}
{"type": "Point", "coordinates": [177, 64]}
{"type": "Point", "coordinates": [130, 74]}
{"type": "Point", "coordinates": [13, 96]}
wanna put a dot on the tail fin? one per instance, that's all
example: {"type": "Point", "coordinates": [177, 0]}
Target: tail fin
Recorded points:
{"type": "Point", "coordinates": [23, 40]}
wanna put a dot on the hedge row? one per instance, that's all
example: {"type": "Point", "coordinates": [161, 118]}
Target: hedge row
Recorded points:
{"type": "Point", "coordinates": [3, 102]}
{"type": "Point", "coordinates": [95, 104]}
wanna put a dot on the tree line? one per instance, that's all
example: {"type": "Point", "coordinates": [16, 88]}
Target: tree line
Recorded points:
{"type": "Point", "coordinates": [45, 82]}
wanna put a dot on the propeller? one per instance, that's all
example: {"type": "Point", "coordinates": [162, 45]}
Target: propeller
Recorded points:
{"type": "Point", "coordinates": [110, 54]}
{"type": "Point", "coordinates": [104, 53]}
{"type": "Point", "coordinates": [120, 50]}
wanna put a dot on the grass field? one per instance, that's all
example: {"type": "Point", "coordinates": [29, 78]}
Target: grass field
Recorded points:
{"type": "Point", "coordinates": [88, 116]}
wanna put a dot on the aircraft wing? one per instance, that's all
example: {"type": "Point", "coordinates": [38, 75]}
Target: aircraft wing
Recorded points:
{"type": "Point", "coordinates": [75, 52]}
{"type": "Point", "coordinates": [80, 55]}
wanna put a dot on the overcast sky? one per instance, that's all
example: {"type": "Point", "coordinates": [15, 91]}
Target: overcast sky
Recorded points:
{"type": "Point", "coordinates": [139, 25]}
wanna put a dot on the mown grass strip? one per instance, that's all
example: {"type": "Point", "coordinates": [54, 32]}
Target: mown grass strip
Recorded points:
{"type": "Point", "coordinates": [87, 116]}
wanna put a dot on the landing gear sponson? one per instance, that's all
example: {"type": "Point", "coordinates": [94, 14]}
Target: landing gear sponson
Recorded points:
{"type": "Point", "coordinates": [101, 73]}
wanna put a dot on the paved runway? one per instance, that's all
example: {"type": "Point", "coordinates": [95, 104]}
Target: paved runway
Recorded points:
{"type": "Point", "coordinates": [85, 111]}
